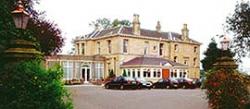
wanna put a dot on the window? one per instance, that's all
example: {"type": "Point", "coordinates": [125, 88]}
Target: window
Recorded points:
{"type": "Point", "coordinates": [68, 70]}
{"type": "Point", "coordinates": [154, 48]}
{"type": "Point", "coordinates": [138, 73]}
{"type": "Point", "coordinates": [186, 62]}
{"type": "Point", "coordinates": [180, 74]}
{"type": "Point", "coordinates": [161, 49]}
{"type": "Point", "coordinates": [125, 46]}
{"type": "Point", "coordinates": [144, 73]}
{"type": "Point", "coordinates": [172, 74]}
{"type": "Point", "coordinates": [99, 70]}
{"type": "Point", "coordinates": [128, 72]}
{"type": "Point", "coordinates": [83, 48]}
{"type": "Point", "coordinates": [184, 75]}
{"type": "Point", "coordinates": [149, 73]}
{"type": "Point", "coordinates": [194, 63]}
{"type": "Point", "coordinates": [146, 46]}
{"type": "Point", "coordinates": [195, 49]}
{"type": "Point", "coordinates": [175, 59]}
{"type": "Point", "coordinates": [78, 70]}
{"type": "Point", "coordinates": [109, 46]}
{"type": "Point", "coordinates": [78, 48]}
{"type": "Point", "coordinates": [98, 48]}
{"type": "Point", "coordinates": [175, 73]}
{"type": "Point", "coordinates": [133, 73]}
{"type": "Point", "coordinates": [175, 47]}
{"type": "Point", "coordinates": [154, 73]}
{"type": "Point", "coordinates": [158, 73]}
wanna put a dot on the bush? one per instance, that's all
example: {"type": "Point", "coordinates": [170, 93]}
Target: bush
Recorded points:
{"type": "Point", "coordinates": [111, 74]}
{"type": "Point", "coordinates": [226, 89]}
{"type": "Point", "coordinates": [27, 85]}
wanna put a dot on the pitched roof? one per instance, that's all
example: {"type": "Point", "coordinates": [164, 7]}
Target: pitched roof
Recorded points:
{"type": "Point", "coordinates": [75, 57]}
{"type": "Point", "coordinates": [123, 30]}
{"type": "Point", "coordinates": [154, 61]}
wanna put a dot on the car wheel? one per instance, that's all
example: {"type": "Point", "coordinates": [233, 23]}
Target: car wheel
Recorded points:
{"type": "Point", "coordinates": [107, 86]}
{"type": "Point", "coordinates": [121, 87]}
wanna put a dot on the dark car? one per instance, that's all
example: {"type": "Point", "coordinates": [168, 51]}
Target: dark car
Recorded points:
{"type": "Point", "coordinates": [144, 83]}
{"type": "Point", "coordinates": [162, 83]}
{"type": "Point", "coordinates": [174, 83]}
{"type": "Point", "coordinates": [186, 83]}
{"type": "Point", "coordinates": [122, 83]}
{"type": "Point", "coordinates": [197, 82]}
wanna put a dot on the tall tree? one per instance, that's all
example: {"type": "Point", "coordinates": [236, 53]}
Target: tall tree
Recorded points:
{"type": "Point", "coordinates": [239, 24]}
{"type": "Point", "coordinates": [212, 53]}
{"type": "Point", "coordinates": [105, 23]}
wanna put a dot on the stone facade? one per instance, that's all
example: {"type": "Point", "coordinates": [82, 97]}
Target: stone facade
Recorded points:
{"type": "Point", "coordinates": [121, 44]}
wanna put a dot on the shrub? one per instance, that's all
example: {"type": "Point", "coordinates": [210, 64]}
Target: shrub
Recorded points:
{"type": "Point", "coordinates": [27, 85]}
{"type": "Point", "coordinates": [111, 73]}
{"type": "Point", "coordinates": [226, 89]}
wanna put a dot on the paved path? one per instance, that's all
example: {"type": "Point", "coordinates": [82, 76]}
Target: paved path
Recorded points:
{"type": "Point", "coordinates": [96, 97]}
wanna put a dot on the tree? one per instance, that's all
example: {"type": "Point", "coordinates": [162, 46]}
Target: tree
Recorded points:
{"type": "Point", "coordinates": [26, 84]}
{"type": "Point", "coordinates": [47, 34]}
{"type": "Point", "coordinates": [118, 23]}
{"type": "Point", "coordinates": [239, 24]}
{"type": "Point", "coordinates": [105, 23]}
{"type": "Point", "coordinates": [212, 53]}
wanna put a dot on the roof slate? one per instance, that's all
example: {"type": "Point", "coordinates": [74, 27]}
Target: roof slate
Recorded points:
{"type": "Point", "coordinates": [150, 61]}
{"type": "Point", "coordinates": [124, 30]}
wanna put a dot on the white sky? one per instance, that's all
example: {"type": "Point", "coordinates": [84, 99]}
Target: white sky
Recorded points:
{"type": "Point", "coordinates": [204, 17]}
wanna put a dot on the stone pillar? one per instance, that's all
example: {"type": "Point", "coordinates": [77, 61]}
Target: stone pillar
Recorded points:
{"type": "Point", "coordinates": [141, 73]}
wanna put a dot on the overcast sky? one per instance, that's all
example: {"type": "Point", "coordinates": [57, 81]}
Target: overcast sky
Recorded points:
{"type": "Point", "coordinates": [205, 18]}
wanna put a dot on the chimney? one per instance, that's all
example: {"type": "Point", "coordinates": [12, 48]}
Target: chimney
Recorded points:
{"type": "Point", "coordinates": [185, 32]}
{"type": "Point", "coordinates": [136, 25]}
{"type": "Point", "coordinates": [158, 26]}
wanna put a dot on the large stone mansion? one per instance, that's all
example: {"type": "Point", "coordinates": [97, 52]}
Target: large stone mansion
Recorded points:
{"type": "Point", "coordinates": [142, 53]}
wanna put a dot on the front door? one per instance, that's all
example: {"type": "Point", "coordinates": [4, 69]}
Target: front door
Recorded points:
{"type": "Point", "coordinates": [86, 74]}
{"type": "Point", "coordinates": [165, 73]}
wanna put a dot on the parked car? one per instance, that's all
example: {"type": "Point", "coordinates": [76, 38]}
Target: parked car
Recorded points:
{"type": "Point", "coordinates": [162, 83]}
{"type": "Point", "coordinates": [186, 83]}
{"type": "Point", "coordinates": [144, 83]}
{"type": "Point", "coordinates": [174, 83]}
{"type": "Point", "coordinates": [197, 82]}
{"type": "Point", "coordinates": [122, 83]}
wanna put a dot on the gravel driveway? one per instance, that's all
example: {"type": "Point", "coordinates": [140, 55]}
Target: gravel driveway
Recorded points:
{"type": "Point", "coordinates": [96, 97]}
